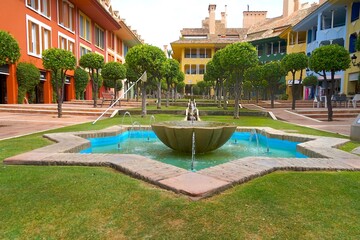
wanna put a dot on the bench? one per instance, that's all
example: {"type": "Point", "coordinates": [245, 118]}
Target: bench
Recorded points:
{"type": "Point", "coordinates": [107, 96]}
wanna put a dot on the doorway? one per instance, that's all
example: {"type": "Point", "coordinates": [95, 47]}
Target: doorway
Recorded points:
{"type": "Point", "coordinates": [3, 92]}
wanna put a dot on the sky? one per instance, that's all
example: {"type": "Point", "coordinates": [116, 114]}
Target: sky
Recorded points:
{"type": "Point", "coordinates": [159, 21]}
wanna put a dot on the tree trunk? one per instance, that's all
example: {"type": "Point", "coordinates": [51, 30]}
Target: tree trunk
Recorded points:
{"type": "Point", "coordinates": [158, 105]}
{"type": "Point", "coordinates": [237, 96]}
{"type": "Point", "coordinates": [143, 99]}
{"type": "Point", "coordinates": [329, 95]}
{"type": "Point", "coordinates": [175, 97]}
{"type": "Point", "coordinates": [168, 96]}
{"type": "Point", "coordinates": [272, 97]}
{"type": "Point", "coordinates": [225, 99]}
{"type": "Point", "coordinates": [293, 92]}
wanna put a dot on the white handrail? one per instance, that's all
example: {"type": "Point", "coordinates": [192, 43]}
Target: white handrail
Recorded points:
{"type": "Point", "coordinates": [142, 78]}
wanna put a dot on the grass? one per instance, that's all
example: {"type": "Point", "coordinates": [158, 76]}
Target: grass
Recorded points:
{"type": "Point", "coordinates": [43, 202]}
{"type": "Point", "coordinates": [98, 203]}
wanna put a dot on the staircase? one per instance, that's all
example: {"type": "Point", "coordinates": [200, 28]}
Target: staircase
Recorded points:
{"type": "Point", "coordinates": [322, 113]}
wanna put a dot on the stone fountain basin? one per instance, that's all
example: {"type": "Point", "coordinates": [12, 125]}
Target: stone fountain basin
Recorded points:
{"type": "Point", "coordinates": [178, 135]}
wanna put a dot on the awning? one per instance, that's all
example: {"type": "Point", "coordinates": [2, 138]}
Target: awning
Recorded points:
{"type": "Point", "coordinates": [328, 77]}
{"type": "Point", "coordinates": [42, 76]}
{"type": "Point", "coordinates": [4, 69]}
{"type": "Point", "coordinates": [353, 76]}
{"type": "Point", "coordinates": [290, 82]}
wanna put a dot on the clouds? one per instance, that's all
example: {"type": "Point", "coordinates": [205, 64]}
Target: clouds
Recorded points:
{"type": "Point", "coordinates": [159, 21]}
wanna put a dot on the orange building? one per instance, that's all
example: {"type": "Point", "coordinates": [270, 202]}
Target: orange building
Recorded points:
{"type": "Point", "coordinates": [80, 26]}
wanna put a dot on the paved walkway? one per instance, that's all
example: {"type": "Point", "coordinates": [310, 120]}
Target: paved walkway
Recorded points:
{"type": "Point", "coordinates": [19, 124]}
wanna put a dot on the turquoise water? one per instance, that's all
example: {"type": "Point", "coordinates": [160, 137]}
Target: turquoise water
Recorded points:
{"type": "Point", "coordinates": [147, 144]}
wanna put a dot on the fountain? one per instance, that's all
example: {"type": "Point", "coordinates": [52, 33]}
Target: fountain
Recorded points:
{"type": "Point", "coordinates": [193, 134]}
{"type": "Point", "coordinates": [126, 114]}
{"type": "Point", "coordinates": [177, 135]}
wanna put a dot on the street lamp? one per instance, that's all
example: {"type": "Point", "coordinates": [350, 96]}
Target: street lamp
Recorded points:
{"type": "Point", "coordinates": [353, 60]}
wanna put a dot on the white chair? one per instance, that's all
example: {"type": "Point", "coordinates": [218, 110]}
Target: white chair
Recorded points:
{"type": "Point", "coordinates": [318, 101]}
{"type": "Point", "coordinates": [355, 99]}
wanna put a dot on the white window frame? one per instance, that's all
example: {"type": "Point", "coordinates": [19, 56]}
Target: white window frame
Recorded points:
{"type": "Point", "coordinates": [41, 26]}
{"type": "Point", "coordinates": [39, 8]}
{"type": "Point", "coordinates": [73, 22]}
{"type": "Point", "coordinates": [68, 40]}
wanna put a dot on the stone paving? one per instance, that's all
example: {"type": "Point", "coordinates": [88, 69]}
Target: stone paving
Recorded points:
{"type": "Point", "coordinates": [322, 153]}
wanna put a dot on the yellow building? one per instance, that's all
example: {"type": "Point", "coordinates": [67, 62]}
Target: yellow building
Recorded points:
{"type": "Point", "coordinates": [196, 46]}
{"type": "Point", "coordinates": [351, 83]}
{"type": "Point", "coordinates": [296, 43]}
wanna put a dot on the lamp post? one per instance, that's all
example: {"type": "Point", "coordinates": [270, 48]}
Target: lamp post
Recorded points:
{"type": "Point", "coordinates": [353, 61]}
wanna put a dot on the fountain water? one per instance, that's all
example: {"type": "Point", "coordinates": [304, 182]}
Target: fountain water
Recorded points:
{"type": "Point", "coordinates": [265, 134]}
{"type": "Point", "coordinates": [193, 152]}
{"type": "Point", "coordinates": [126, 114]}
{"type": "Point", "coordinates": [253, 134]}
{"type": "Point", "coordinates": [152, 120]}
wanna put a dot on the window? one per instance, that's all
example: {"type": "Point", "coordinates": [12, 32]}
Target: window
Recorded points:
{"type": "Point", "coordinates": [66, 15]}
{"type": "Point", "coordinates": [355, 11]}
{"type": "Point", "coordinates": [111, 40]}
{"type": "Point", "coordinates": [84, 27]}
{"type": "Point", "coordinates": [38, 36]}
{"type": "Point", "coordinates": [118, 45]}
{"type": "Point", "coordinates": [352, 43]}
{"type": "Point", "coordinates": [187, 52]}
{"type": "Point", "coordinates": [40, 6]}
{"type": "Point", "coordinates": [99, 37]}
{"type": "Point", "coordinates": [84, 50]}
{"type": "Point", "coordinates": [34, 38]}
{"type": "Point", "coordinates": [309, 36]}
{"type": "Point", "coordinates": [260, 50]}
{"type": "Point", "coordinates": [201, 69]}
{"type": "Point", "coordinates": [66, 43]}
{"type": "Point", "coordinates": [338, 41]}
{"type": "Point", "coordinates": [46, 38]}
{"type": "Point", "coordinates": [301, 37]}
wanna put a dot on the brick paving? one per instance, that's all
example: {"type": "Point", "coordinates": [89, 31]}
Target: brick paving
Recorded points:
{"type": "Point", "coordinates": [197, 185]}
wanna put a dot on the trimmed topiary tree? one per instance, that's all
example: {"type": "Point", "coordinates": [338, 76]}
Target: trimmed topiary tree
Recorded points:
{"type": "Point", "coordinates": [9, 49]}
{"type": "Point", "coordinates": [81, 81]}
{"type": "Point", "coordinates": [236, 58]}
{"type": "Point", "coordinates": [113, 73]}
{"type": "Point", "coordinates": [59, 61]}
{"type": "Point", "coordinates": [330, 58]}
{"type": "Point", "coordinates": [94, 62]}
{"type": "Point", "coordinates": [28, 76]}
{"type": "Point", "coordinates": [293, 63]}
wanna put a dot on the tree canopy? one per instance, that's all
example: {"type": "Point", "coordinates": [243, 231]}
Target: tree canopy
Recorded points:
{"type": "Point", "coordinates": [28, 76]}
{"type": "Point", "coordinates": [147, 58]}
{"type": "Point", "coordinates": [81, 81]}
{"type": "Point", "coordinates": [310, 81]}
{"type": "Point", "coordinates": [236, 58]}
{"type": "Point", "coordinates": [9, 49]}
{"type": "Point", "coordinates": [59, 61]}
{"type": "Point", "coordinates": [292, 63]}
{"type": "Point", "coordinates": [273, 72]}
{"type": "Point", "coordinates": [114, 72]}
{"type": "Point", "coordinates": [171, 68]}
{"type": "Point", "coordinates": [329, 58]}
{"type": "Point", "coordinates": [93, 62]}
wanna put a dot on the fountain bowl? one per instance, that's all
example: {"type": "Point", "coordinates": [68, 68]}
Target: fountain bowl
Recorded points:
{"type": "Point", "coordinates": [209, 136]}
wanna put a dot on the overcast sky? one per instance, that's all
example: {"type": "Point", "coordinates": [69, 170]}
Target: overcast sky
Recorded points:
{"type": "Point", "coordinates": [159, 21]}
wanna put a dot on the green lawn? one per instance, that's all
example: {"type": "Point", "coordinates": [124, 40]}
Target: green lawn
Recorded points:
{"type": "Point", "coordinates": [43, 202]}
